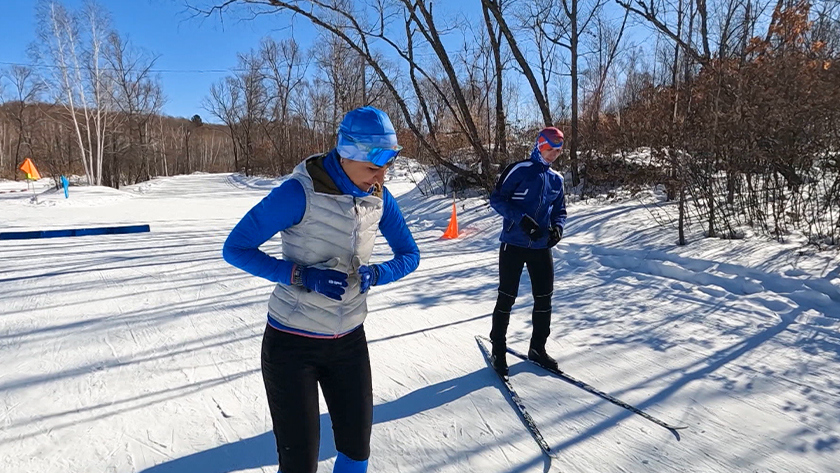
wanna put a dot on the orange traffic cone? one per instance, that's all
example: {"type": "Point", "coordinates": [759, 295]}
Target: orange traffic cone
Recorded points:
{"type": "Point", "coordinates": [452, 229]}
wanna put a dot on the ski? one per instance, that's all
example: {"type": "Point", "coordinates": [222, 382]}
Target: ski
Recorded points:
{"type": "Point", "coordinates": [618, 402]}
{"type": "Point", "coordinates": [517, 401]}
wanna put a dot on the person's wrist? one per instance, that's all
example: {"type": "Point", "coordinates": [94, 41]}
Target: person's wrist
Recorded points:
{"type": "Point", "coordinates": [297, 275]}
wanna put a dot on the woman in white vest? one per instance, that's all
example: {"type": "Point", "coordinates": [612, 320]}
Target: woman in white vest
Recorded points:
{"type": "Point", "coordinates": [328, 212]}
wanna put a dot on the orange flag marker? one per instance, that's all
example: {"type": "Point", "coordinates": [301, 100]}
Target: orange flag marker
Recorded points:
{"type": "Point", "coordinates": [29, 168]}
{"type": "Point", "coordinates": [452, 229]}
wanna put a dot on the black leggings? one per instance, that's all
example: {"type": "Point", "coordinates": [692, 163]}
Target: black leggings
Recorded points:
{"type": "Point", "coordinates": [540, 265]}
{"type": "Point", "coordinates": [293, 366]}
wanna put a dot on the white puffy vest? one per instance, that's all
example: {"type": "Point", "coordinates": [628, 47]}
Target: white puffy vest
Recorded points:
{"type": "Point", "coordinates": [336, 232]}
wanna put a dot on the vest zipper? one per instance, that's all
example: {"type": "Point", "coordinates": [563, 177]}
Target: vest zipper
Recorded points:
{"type": "Point", "coordinates": [353, 239]}
{"type": "Point", "coordinates": [357, 227]}
{"type": "Point", "coordinates": [539, 206]}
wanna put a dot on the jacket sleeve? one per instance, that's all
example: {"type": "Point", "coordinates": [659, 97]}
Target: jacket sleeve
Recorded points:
{"type": "Point", "coordinates": [394, 229]}
{"type": "Point", "coordinates": [279, 210]}
{"type": "Point", "coordinates": [558, 212]}
{"type": "Point", "coordinates": [500, 198]}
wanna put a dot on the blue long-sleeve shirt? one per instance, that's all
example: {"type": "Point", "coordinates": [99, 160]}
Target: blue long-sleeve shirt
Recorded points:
{"type": "Point", "coordinates": [284, 207]}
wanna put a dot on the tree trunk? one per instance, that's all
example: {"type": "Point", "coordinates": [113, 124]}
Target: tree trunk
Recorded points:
{"type": "Point", "coordinates": [500, 139]}
{"type": "Point", "coordinates": [671, 188]}
{"type": "Point", "coordinates": [573, 148]}
{"type": "Point", "coordinates": [681, 229]}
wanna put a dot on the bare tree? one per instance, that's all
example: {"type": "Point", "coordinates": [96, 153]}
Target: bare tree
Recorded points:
{"type": "Point", "coordinates": [225, 103]}
{"type": "Point", "coordinates": [357, 29]}
{"type": "Point", "coordinates": [343, 71]}
{"type": "Point", "coordinates": [5, 134]}
{"type": "Point", "coordinates": [72, 45]}
{"type": "Point", "coordinates": [826, 27]}
{"type": "Point", "coordinates": [660, 16]}
{"type": "Point", "coordinates": [26, 89]}
{"type": "Point", "coordinates": [254, 105]}
{"type": "Point", "coordinates": [494, 34]}
{"type": "Point", "coordinates": [286, 66]}
{"type": "Point", "coordinates": [496, 8]}
{"type": "Point", "coordinates": [137, 94]}
{"type": "Point", "coordinates": [241, 102]}
{"type": "Point", "coordinates": [567, 28]}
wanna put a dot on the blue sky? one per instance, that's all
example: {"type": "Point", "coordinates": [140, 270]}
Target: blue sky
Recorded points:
{"type": "Point", "coordinates": [185, 45]}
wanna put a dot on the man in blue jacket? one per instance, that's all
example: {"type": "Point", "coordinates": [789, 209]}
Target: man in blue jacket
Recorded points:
{"type": "Point", "coordinates": [529, 195]}
{"type": "Point", "coordinates": [328, 212]}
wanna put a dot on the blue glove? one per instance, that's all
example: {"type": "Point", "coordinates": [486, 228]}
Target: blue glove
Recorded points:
{"type": "Point", "coordinates": [369, 275]}
{"type": "Point", "coordinates": [328, 282]}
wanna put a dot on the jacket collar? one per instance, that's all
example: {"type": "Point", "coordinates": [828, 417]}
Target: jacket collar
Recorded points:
{"type": "Point", "coordinates": [537, 158]}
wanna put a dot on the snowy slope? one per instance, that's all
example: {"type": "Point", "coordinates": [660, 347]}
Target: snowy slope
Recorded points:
{"type": "Point", "coordinates": [140, 353]}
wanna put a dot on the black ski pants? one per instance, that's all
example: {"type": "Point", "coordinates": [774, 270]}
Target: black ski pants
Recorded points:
{"type": "Point", "coordinates": [540, 265]}
{"type": "Point", "coordinates": [292, 367]}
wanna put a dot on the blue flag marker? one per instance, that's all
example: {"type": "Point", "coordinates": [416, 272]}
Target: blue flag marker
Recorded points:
{"type": "Point", "coordinates": [65, 184]}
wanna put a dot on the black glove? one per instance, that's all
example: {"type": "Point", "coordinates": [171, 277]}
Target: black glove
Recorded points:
{"type": "Point", "coordinates": [530, 227]}
{"type": "Point", "coordinates": [555, 235]}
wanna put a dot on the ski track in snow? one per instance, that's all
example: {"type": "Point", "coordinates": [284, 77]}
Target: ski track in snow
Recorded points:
{"type": "Point", "coordinates": [140, 353]}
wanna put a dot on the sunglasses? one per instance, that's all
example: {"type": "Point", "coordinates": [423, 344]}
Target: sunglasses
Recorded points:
{"type": "Point", "coordinates": [548, 145]}
{"type": "Point", "coordinates": [382, 156]}
{"type": "Point", "coordinates": [553, 144]}
{"type": "Point", "coordinates": [376, 155]}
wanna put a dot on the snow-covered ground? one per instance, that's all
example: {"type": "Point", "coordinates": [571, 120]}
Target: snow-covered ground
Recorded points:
{"type": "Point", "coordinates": [140, 353]}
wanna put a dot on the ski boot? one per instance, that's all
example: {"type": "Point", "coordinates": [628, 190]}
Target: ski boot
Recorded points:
{"type": "Point", "coordinates": [498, 359]}
{"type": "Point", "coordinates": [540, 357]}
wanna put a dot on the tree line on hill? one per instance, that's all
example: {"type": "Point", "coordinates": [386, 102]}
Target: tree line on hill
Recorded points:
{"type": "Point", "coordinates": [736, 100]}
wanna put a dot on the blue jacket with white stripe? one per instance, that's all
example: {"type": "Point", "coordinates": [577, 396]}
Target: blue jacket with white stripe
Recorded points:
{"type": "Point", "coordinates": [529, 187]}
